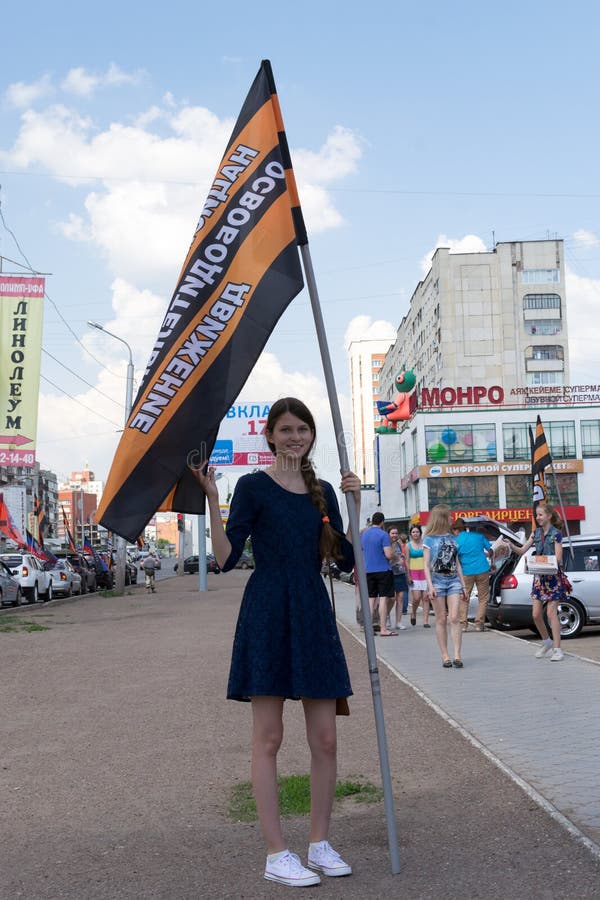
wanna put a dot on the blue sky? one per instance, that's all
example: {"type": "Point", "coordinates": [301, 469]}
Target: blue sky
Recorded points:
{"type": "Point", "coordinates": [409, 127]}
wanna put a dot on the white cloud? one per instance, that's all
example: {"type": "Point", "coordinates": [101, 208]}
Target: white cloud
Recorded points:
{"type": "Point", "coordinates": [150, 187]}
{"type": "Point", "coordinates": [583, 299]}
{"type": "Point", "coordinates": [21, 95]}
{"type": "Point", "coordinates": [90, 427]}
{"type": "Point", "coordinates": [470, 243]}
{"type": "Point", "coordinates": [364, 328]}
{"type": "Point", "coordinates": [337, 158]}
{"type": "Point", "coordinates": [586, 238]}
{"type": "Point", "coordinates": [83, 83]}
{"type": "Point", "coordinates": [74, 228]}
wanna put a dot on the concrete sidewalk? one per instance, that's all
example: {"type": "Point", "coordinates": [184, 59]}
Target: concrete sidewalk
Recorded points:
{"type": "Point", "coordinates": [118, 752]}
{"type": "Point", "coordinates": [539, 719]}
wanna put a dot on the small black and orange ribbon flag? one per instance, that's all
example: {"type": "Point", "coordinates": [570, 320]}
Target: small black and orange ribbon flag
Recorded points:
{"type": "Point", "coordinates": [240, 274]}
{"type": "Point", "coordinates": [540, 458]}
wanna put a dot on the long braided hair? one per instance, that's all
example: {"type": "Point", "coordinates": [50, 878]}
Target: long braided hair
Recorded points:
{"type": "Point", "coordinates": [329, 541]}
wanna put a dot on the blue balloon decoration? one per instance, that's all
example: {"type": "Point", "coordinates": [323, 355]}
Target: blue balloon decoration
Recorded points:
{"type": "Point", "coordinates": [491, 449]}
{"type": "Point", "coordinates": [448, 436]}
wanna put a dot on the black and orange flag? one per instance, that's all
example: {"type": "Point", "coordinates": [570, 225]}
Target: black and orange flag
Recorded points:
{"type": "Point", "coordinates": [540, 458]}
{"type": "Point", "coordinates": [69, 536]}
{"type": "Point", "coordinates": [40, 515]}
{"type": "Point", "coordinates": [240, 274]}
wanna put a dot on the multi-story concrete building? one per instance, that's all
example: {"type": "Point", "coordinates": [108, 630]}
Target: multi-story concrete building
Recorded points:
{"type": "Point", "coordinates": [366, 360]}
{"type": "Point", "coordinates": [490, 318]}
{"type": "Point", "coordinates": [37, 482]}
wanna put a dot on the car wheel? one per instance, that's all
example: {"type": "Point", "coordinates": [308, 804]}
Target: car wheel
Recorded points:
{"type": "Point", "coordinates": [49, 592]}
{"type": "Point", "coordinates": [19, 598]}
{"type": "Point", "coordinates": [33, 594]}
{"type": "Point", "coordinates": [571, 617]}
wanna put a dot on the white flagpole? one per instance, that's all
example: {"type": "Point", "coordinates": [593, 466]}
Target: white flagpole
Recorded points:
{"type": "Point", "coordinates": [359, 562]}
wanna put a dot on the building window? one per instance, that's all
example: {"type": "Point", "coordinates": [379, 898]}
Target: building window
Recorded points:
{"type": "Point", "coordinates": [519, 489]}
{"type": "Point", "coordinates": [543, 326]}
{"type": "Point", "coordinates": [534, 378]}
{"type": "Point", "coordinates": [467, 494]}
{"type": "Point", "coordinates": [515, 440]}
{"type": "Point", "coordinates": [540, 276]}
{"type": "Point", "coordinates": [561, 439]}
{"type": "Point", "coordinates": [590, 438]}
{"type": "Point", "coordinates": [541, 301]}
{"type": "Point", "coordinates": [547, 351]}
{"type": "Point", "coordinates": [462, 443]}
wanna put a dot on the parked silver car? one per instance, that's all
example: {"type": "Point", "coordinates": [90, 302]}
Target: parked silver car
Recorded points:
{"type": "Point", "coordinates": [65, 580]}
{"type": "Point", "coordinates": [510, 603]}
{"type": "Point", "coordinates": [10, 589]}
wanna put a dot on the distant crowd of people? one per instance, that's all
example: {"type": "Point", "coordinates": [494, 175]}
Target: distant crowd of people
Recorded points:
{"type": "Point", "coordinates": [441, 569]}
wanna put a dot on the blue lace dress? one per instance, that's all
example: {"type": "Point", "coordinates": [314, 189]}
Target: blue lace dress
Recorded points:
{"type": "Point", "coordinates": [286, 641]}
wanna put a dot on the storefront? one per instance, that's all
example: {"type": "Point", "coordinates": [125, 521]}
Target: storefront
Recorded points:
{"type": "Point", "coordinates": [469, 448]}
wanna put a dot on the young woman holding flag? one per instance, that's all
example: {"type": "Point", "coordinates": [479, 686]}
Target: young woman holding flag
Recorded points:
{"type": "Point", "coordinates": [286, 643]}
{"type": "Point", "coordinates": [548, 590]}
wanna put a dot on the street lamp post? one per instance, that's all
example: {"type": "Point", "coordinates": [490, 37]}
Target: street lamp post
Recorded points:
{"type": "Point", "coordinates": [121, 543]}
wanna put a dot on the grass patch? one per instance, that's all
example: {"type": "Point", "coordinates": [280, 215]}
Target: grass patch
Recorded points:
{"type": "Point", "coordinates": [16, 623]}
{"type": "Point", "coordinates": [294, 796]}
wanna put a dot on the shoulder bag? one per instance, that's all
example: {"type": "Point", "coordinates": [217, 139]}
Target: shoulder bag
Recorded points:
{"type": "Point", "coordinates": [341, 703]}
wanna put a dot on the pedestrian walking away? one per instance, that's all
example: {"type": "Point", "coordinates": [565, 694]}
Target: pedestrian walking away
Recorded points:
{"type": "Point", "coordinates": [286, 643]}
{"type": "Point", "coordinates": [445, 582]}
{"type": "Point", "coordinates": [378, 554]}
{"type": "Point", "coordinates": [474, 554]}
{"type": "Point", "coordinates": [149, 567]}
{"type": "Point", "coordinates": [548, 590]}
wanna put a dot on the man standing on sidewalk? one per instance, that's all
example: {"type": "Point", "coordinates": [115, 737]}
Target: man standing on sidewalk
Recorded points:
{"type": "Point", "coordinates": [378, 553]}
{"type": "Point", "coordinates": [474, 553]}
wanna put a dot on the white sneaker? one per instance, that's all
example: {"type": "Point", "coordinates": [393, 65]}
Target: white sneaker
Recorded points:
{"type": "Point", "coordinates": [544, 650]}
{"type": "Point", "coordinates": [287, 869]}
{"type": "Point", "coordinates": [323, 857]}
{"type": "Point", "coordinates": [400, 627]}
{"type": "Point", "coordinates": [557, 655]}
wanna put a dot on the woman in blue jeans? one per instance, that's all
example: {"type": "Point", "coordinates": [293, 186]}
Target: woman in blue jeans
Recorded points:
{"type": "Point", "coordinates": [445, 582]}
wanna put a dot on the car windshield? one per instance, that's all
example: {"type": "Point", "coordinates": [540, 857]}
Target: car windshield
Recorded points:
{"type": "Point", "coordinates": [13, 560]}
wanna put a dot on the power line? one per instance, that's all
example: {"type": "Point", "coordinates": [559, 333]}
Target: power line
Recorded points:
{"type": "Point", "coordinates": [337, 190]}
{"type": "Point", "coordinates": [48, 297]}
{"type": "Point", "coordinates": [112, 400]}
{"type": "Point", "coordinates": [74, 399]}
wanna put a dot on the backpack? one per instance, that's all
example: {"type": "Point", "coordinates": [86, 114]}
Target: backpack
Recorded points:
{"type": "Point", "coordinates": [445, 558]}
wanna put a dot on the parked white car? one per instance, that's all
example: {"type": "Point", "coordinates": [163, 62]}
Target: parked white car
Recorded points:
{"type": "Point", "coordinates": [29, 571]}
{"type": "Point", "coordinates": [511, 606]}
{"type": "Point", "coordinates": [65, 580]}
